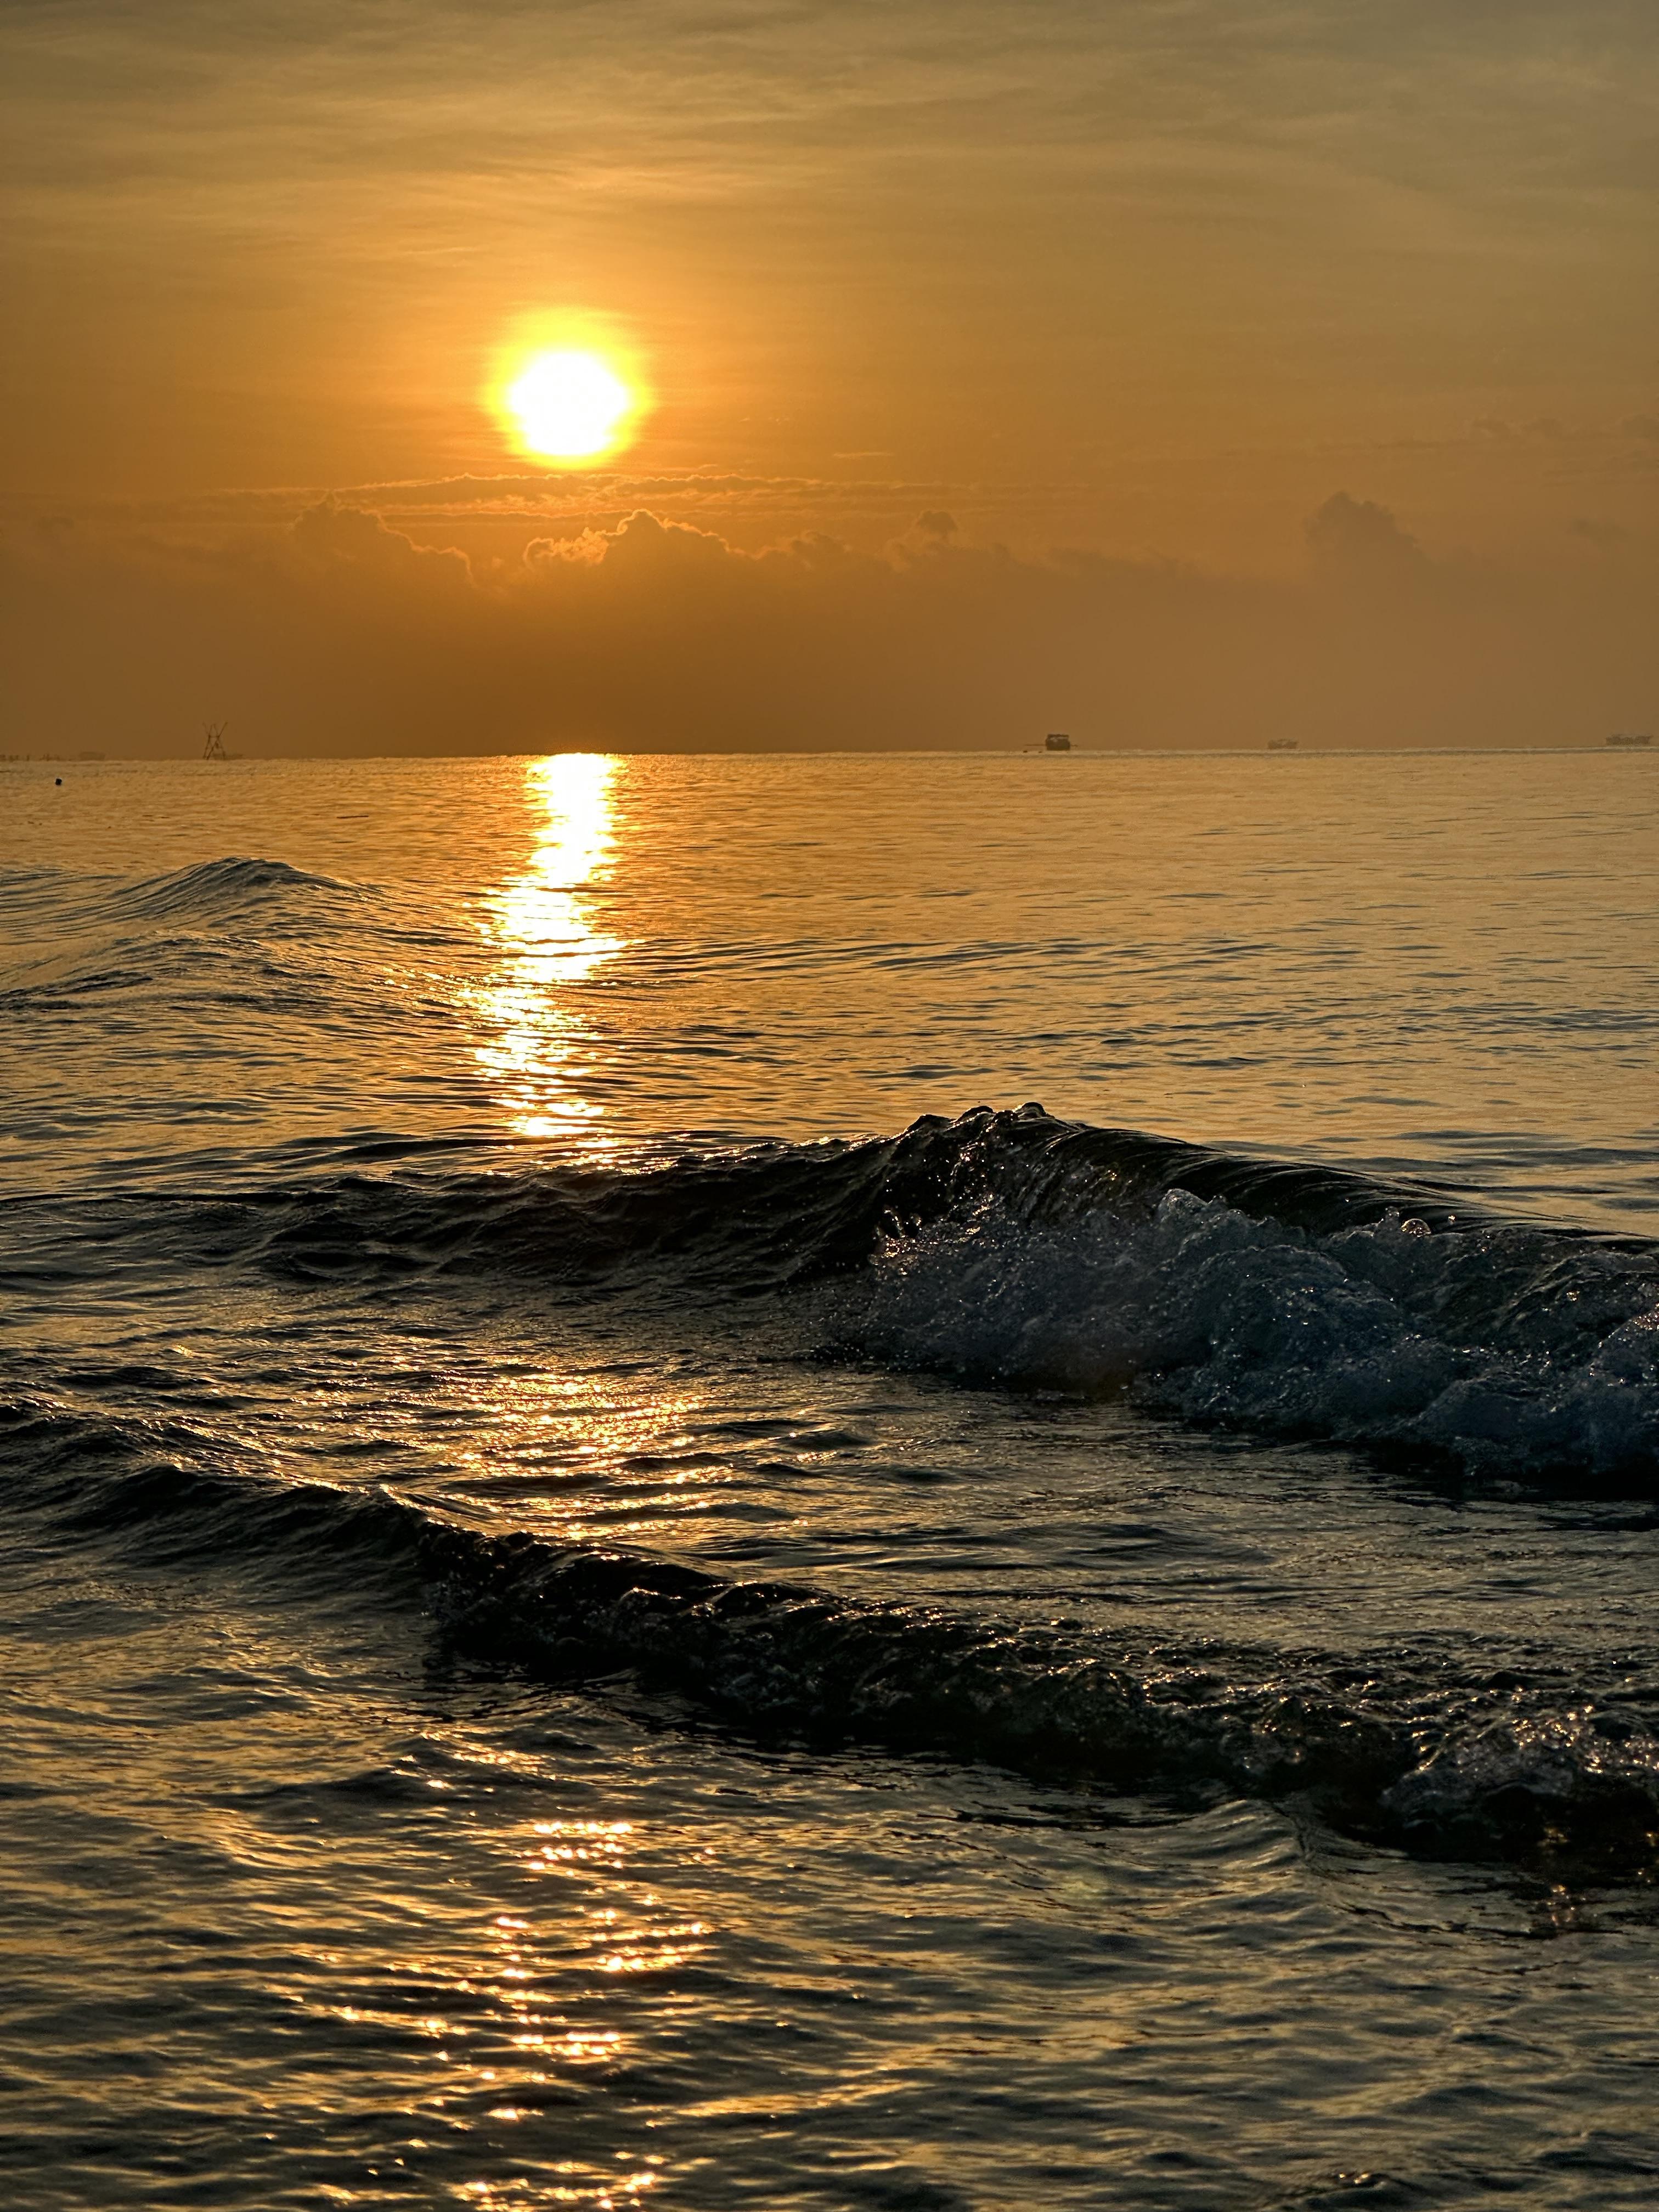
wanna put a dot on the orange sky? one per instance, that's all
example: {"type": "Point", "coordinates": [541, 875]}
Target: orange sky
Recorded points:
{"type": "Point", "coordinates": [1150, 280]}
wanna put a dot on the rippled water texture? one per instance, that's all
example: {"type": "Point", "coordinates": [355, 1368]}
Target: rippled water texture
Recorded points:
{"type": "Point", "coordinates": [629, 1577]}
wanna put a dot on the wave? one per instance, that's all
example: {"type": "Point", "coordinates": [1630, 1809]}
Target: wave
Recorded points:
{"type": "Point", "coordinates": [92, 935]}
{"type": "Point", "coordinates": [1027, 1252]}
{"type": "Point", "coordinates": [209, 891]}
{"type": "Point", "coordinates": [1532, 1774]}
{"type": "Point", "coordinates": [1297, 1302]}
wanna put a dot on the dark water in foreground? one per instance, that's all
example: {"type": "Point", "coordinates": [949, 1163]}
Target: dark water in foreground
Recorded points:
{"type": "Point", "coordinates": [611, 1597]}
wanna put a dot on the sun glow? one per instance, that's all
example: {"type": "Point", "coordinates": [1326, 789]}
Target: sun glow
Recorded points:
{"type": "Point", "coordinates": [569, 405]}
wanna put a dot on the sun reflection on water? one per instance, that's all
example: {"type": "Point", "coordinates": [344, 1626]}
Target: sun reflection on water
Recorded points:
{"type": "Point", "coordinates": [545, 922]}
{"type": "Point", "coordinates": [578, 1457]}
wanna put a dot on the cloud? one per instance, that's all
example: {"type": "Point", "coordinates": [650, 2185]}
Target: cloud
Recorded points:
{"type": "Point", "coordinates": [537, 497]}
{"type": "Point", "coordinates": [1361, 543]}
{"type": "Point", "coordinates": [339, 633]}
{"type": "Point", "coordinates": [336, 540]}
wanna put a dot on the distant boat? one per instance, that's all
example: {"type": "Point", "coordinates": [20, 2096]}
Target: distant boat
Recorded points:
{"type": "Point", "coordinates": [1283, 744]}
{"type": "Point", "coordinates": [1056, 742]}
{"type": "Point", "coordinates": [1625, 738]}
{"type": "Point", "coordinates": [214, 747]}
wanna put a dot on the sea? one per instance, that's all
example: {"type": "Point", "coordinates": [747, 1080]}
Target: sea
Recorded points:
{"type": "Point", "coordinates": [901, 1482]}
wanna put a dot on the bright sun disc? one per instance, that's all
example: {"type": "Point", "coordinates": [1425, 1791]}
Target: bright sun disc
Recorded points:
{"type": "Point", "coordinates": [569, 406]}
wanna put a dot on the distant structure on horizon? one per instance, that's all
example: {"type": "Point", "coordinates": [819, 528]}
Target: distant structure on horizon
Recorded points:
{"type": "Point", "coordinates": [214, 747]}
{"type": "Point", "coordinates": [1283, 744]}
{"type": "Point", "coordinates": [1056, 742]}
{"type": "Point", "coordinates": [1623, 737]}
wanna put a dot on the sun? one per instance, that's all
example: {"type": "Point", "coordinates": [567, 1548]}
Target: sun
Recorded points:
{"type": "Point", "coordinates": [569, 405]}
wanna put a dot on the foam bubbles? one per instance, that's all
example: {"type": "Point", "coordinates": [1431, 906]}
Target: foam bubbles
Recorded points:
{"type": "Point", "coordinates": [1512, 1354]}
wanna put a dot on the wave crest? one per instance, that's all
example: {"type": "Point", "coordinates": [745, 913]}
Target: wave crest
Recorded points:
{"type": "Point", "coordinates": [213, 888]}
{"type": "Point", "coordinates": [1025, 1252]}
{"type": "Point", "coordinates": [1513, 1352]}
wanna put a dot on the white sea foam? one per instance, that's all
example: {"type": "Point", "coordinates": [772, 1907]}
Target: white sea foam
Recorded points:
{"type": "Point", "coordinates": [1475, 1343]}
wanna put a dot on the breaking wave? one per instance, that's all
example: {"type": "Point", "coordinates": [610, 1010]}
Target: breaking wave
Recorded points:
{"type": "Point", "coordinates": [1028, 1253]}
{"type": "Point", "coordinates": [1292, 1301]}
{"type": "Point", "coordinates": [1023, 1252]}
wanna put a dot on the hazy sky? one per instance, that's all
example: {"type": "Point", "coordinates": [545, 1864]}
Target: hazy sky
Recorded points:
{"type": "Point", "coordinates": [1150, 280]}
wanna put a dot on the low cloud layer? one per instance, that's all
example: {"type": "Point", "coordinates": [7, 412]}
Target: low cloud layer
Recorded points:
{"type": "Point", "coordinates": [340, 634]}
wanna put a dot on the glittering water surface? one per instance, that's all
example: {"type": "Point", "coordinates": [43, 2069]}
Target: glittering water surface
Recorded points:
{"type": "Point", "coordinates": [612, 1598]}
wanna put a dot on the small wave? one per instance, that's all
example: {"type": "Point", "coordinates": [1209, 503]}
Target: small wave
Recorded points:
{"type": "Point", "coordinates": [1463, 1773]}
{"type": "Point", "coordinates": [80, 937]}
{"type": "Point", "coordinates": [1512, 1774]}
{"type": "Point", "coordinates": [214, 889]}
{"type": "Point", "coordinates": [44, 902]}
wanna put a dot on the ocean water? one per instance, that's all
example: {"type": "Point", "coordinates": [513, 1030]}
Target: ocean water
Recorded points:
{"type": "Point", "coordinates": [905, 1482]}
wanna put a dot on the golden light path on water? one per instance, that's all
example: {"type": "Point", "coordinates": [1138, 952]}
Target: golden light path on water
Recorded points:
{"type": "Point", "coordinates": [561, 1449]}
{"type": "Point", "coordinates": [555, 1450]}
{"type": "Point", "coordinates": [545, 924]}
